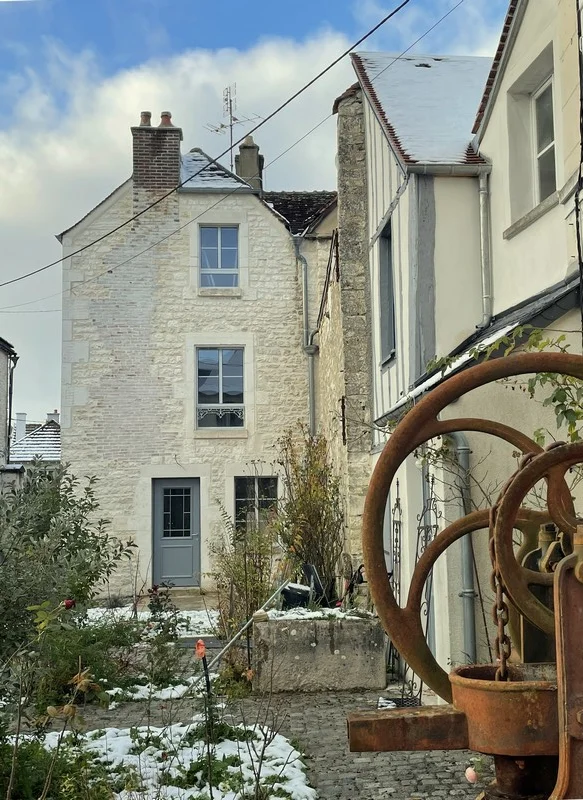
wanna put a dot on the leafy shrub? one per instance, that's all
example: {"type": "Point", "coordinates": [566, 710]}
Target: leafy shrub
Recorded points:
{"type": "Point", "coordinates": [244, 562]}
{"type": "Point", "coordinates": [52, 547]}
{"type": "Point", "coordinates": [310, 519]}
{"type": "Point", "coordinates": [108, 649]}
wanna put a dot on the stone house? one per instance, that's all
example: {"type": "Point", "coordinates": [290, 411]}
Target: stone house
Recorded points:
{"type": "Point", "coordinates": [456, 185]}
{"type": "Point", "coordinates": [186, 346]}
{"type": "Point", "coordinates": [36, 440]}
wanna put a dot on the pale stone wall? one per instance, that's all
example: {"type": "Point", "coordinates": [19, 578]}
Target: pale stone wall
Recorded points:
{"type": "Point", "coordinates": [129, 339]}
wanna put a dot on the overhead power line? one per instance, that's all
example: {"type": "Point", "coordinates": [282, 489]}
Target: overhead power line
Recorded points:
{"type": "Point", "coordinates": [8, 309]}
{"type": "Point", "coordinates": [260, 124]}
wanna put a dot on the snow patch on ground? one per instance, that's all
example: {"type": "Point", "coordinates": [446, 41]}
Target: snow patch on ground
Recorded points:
{"type": "Point", "coordinates": [159, 757]}
{"type": "Point", "coordinates": [191, 624]}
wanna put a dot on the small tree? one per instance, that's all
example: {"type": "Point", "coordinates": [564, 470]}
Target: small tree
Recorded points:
{"type": "Point", "coordinates": [52, 547]}
{"type": "Point", "coordinates": [310, 521]}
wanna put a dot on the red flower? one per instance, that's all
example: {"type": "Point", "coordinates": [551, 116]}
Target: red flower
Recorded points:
{"type": "Point", "coordinates": [69, 604]}
{"type": "Point", "coordinates": [200, 649]}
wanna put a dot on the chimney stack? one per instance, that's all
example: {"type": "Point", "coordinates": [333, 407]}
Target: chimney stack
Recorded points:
{"type": "Point", "coordinates": [20, 426]}
{"type": "Point", "coordinates": [249, 164]}
{"type": "Point", "coordinates": [156, 154]}
{"type": "Point", "coordinates": [54, 417]}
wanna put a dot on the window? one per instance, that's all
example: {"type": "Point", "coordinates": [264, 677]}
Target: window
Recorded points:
{"type": "Point", "coordinates": [255, 499]}
{"type": "Point", "coordinates": [386, 295]}
{"type": "Point", "coordinates": [220, 387]}
{"type": "Point", "coordinates": [544, 141]}
{"type": "Point", "coordinates": [176, 511]}
{"type": "Point", "coordinates": [219, 256]}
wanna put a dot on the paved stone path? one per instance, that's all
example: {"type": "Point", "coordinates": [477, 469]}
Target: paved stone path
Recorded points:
{"type": "Point", "coordinates": [317, 724]}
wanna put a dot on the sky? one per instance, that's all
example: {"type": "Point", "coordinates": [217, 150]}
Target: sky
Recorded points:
{"type": "Point", "coordinates": [74, 77]}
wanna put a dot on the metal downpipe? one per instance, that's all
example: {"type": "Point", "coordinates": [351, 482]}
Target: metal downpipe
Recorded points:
{"type": "Point", "coordinates": [485, 252]}
{"type": "Point", "coordinates": [310, 349]}
{"type": "Point", "coordinates": [468, 592]}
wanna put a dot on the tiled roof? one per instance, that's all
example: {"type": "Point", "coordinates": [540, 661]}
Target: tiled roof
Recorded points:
{"type": "Point", "coordinates": [426, 104]}
{"type": "Point", "coordinates": [510, 15]}
{"type": "Point", "coordinates": [44, 442]}
{"type": "Point", "coordinates": [300, 209]}
{"type": "Point", "coordinates": [207, 174]}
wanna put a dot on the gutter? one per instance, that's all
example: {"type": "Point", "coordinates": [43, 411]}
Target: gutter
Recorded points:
{"type": "Point", "coordinates": [468, 592]}
{"type": "Point", "coordinates": [309, 348]}
{"type": "Point", "coordinates": [450, 170]}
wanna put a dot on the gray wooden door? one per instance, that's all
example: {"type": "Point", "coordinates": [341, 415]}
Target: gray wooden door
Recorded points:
{"type": "Point", "coordinates": [176, 530]}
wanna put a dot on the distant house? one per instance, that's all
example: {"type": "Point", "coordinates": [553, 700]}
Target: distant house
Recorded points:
{"type": "Point", "coordinates": [36, 440]}
{"type": "Point", "coordinates": [186, 348]}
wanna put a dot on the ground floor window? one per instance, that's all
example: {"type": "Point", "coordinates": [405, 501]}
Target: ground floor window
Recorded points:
{"type": "Point", "coordinates": [255, 500]}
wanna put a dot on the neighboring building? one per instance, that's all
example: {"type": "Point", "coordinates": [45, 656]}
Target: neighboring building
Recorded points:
{"type": "Point", "coordinates": [186, 346]}
{"type": "Point", "coordinates": [8, 359]}
{"type": "Point", "coordinates": [452, 238]}
{"type": "Point", "coordinates": [36, 440]}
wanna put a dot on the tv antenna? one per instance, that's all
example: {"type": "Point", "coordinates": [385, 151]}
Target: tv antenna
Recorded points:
{"type": "Point", "coordinates": [229, 107]}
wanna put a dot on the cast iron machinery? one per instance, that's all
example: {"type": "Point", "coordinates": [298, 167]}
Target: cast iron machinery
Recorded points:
{"type": "Point", "coordinates": [528, 716]}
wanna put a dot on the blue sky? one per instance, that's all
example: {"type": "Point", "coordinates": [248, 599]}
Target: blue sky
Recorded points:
{"type": "Point", "coordinates": [75, 74]}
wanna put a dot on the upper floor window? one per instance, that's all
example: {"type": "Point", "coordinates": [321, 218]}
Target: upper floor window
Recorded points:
{"type": "Point", "coordinates": [255, 500]}
{"type": "Point", "coordinates": [219, 379]}
{"type": "Point", "coordinates": [544, 141]}
{"type": "Point", "coordinates": [219, 255]}
{"type": "Point", "coordinates": [386, 295]}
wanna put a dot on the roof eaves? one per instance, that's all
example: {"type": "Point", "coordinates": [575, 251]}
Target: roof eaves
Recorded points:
{"type": "Point", "coordinates": [7, 347]}
{"type": "Point", "coordinates": [512, 21]}
{"type": "Point", "coordinates": [402, 157]}
{"type": "Point", "coordinates": [322, 214]}
{"type": "Point", "coordinates": [540, 310]}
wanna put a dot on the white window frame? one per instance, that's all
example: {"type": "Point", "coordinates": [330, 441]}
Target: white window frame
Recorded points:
{"type": "Point", "coordinates": [256, 509]}
{"type": "Point", "coordinates": [210, 271]}
{"type": "Point", "coordinates": [536, 153]}
{"type": "Point", "coordinates": [235, 407]}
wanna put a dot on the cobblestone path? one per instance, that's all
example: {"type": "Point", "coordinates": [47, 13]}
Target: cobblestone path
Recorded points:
{"type": "Point", "coordinates": [317, 724]}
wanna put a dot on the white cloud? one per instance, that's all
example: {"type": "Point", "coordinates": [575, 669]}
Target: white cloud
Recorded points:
{"type": "Point", "coordinates": [68, 144]}
{"type": "Point", "coordinates": [471, 29]}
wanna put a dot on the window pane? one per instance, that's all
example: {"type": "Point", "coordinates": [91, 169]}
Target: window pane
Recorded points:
{"type": "Point", "coordinates": [233, 358]}
{"type": "Point", "coordinates": [228, 258]}
{"type": "Point", "coordinates": [219, 279]}
{"type": "Point", "coordinates": [218, 417]}
{"type": "Point", "coordinates": [176, 512]}
{"type": "Point", "coordinates": [208, 376]}
{"type": "Point", "coordinates": [267, 488]}
{"type": "Point", "coordinates": [209, 237]}
{"type": "Point", "coordinates": [232, 390]}
{"type": "Point", "coordinates": [386, 295]}
{"type": "Point", "coordinates": [544, 119]}
{"type": "Point", "coordinates": [546, 173]}
{"type": "Point", "coordinates": [209, 258]}
{"type": "Point", "coordinates": [229, 237]}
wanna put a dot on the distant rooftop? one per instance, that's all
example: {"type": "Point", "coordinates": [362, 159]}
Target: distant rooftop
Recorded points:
{"type": "Point", "coordinates": [42, 442]}
{"type": "Point", "coordinates": [300, 209]}
{"type": "Point", "coordinates": [204, 173]}
{"type": "Point", "coordinates": [427, 104]}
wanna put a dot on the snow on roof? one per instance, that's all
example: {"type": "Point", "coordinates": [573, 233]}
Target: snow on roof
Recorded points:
{"type": "Point", "coordinates": [44, 442]}
{"type": "Point", "coordinates": [427, 104]}
{"type": "Point", "coordinates": [206, 173]}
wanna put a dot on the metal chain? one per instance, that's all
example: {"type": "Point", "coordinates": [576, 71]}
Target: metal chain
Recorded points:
{"type": "Point", "coordinates": [500, 613]}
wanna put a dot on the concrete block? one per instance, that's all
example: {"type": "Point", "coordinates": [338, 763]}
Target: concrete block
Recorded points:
{"type": "Point", "coordinates": [312, 655]}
